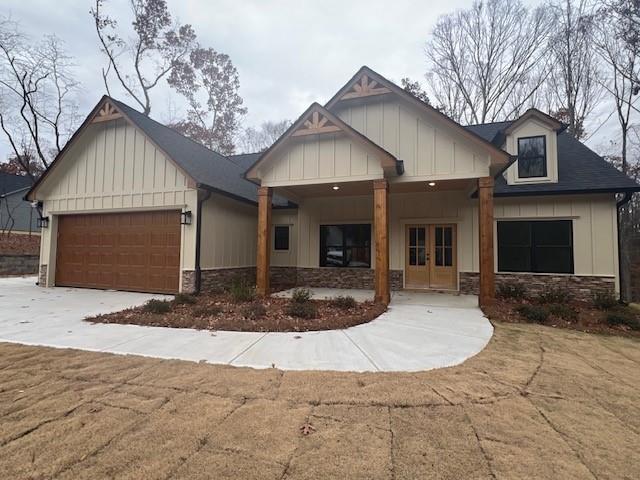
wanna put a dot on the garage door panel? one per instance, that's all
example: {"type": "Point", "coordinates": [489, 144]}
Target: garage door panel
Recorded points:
{"type": "Point", "coordinates": [127, 251]}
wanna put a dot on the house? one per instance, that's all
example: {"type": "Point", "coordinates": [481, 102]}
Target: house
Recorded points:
{"type": "Point", "coordinates": [375, 189]}
{"type": "Point", "coordinates": [16, 215]}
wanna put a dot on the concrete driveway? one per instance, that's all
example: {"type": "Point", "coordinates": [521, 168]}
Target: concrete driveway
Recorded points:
{"type": "Point", "coordinates": [418, 332]}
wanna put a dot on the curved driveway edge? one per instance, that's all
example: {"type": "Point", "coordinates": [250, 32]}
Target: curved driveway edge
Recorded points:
{"type": "Point", "coordinates": [416, 333]}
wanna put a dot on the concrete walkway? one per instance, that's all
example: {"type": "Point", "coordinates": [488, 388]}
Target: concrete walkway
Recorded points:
{"type": "Point", "coordinates": [418, 332]}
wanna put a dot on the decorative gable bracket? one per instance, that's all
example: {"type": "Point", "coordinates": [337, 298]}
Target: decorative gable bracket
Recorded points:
{"type": "Point", "coordinates": [365, 87]}
{"type": "Point", "coordinates": [106, 113]}
{"type": "Point", "coordinates": [315, 124]}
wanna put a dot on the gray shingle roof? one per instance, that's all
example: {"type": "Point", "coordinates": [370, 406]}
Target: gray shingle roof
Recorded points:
{"type": "Point", "coordinates": [10, 183]}
{"type": "Point", "coordinates": [205, 166]}
{"type": "Point", "coordinates": [245, 160]}
{"type": "Point", "coordinates": [580, 169]}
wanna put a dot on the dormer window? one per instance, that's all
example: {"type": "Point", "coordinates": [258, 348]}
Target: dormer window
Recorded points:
{"type": "Point", "coordinates": [532, 157]}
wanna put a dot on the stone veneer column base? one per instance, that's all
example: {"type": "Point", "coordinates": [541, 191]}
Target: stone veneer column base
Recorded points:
{"type": "Point", "coordinates": [582, 287]}
{"type": "Point", "coordinates": [42, 276]}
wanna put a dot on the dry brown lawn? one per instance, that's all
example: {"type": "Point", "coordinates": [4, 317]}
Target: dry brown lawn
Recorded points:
{"type": "Point", "coordinates": [536, 403]}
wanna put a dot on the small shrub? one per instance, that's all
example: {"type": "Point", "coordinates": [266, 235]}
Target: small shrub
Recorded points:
{"type": "Point", "coordinates": [206, 311]}
{"type": "Point", "coordinates": [157, 306]}
{"type": "Point", "coordinates": [604, 301]}
{"type": "Point", "coordinates": [534, 313]}
{"type": "Point", "coordinates": [184, 299]}
{"type": "Point", "coordinates": [515, 291]}
{"type": "Point", "coordinates": [564, 311]}
{"type": "Point", "coordinates": [302, 309]}
{"type": "Point", "coordinates": [623, 316]}
{"type": "Point", "coordinates": [301, 295]}
{"type": "Point", "coordinates": [344, 302]}
{"type": "Point", "coordinates": [242, 291]}
{"type": "Point", "coordinates": [254, 310]}
{"type": "Point", "coordinates": [555, 295]}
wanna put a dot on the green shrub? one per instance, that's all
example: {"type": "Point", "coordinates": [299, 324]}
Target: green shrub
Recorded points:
{"type": "Point", "coordinates": [242, 291]}
{"type": "Point", "coordinates": [623, 316]}
{"type": "Point", "coordinates": [344, 302]}
{"type": "Point", "coordinates": [511, 290]}
{"type": "Point", "coordinates": [555, 295]}
{"type": "Point", "coordinates": [254, 310]}
{"type": "Point", "coordinates": [157, 306]}
{"type": "Point", "coordinates": [534, 313]}
{"type": "Point", "coordinates": [604, 300]}
{"type": "Point", "coordinates": [306, 309]}
{"type": "Point", "coordinates": [184, 299]}
{"type": "Point", "coordinates": [564, 311]}
{"type": "Point", "coordinates": [206, 311]}
{"type": "Point", "coordinates": [301, 295]}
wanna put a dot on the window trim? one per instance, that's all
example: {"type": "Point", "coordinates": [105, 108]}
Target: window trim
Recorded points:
{"type": "Point", "coordinates": [533, 245]}
{"type": "Point", "coordinates": [282, 250]}
{"type": "Point", "coordinates": [546, 160]}
{"type": "Point", "coordinates": [344, 224]}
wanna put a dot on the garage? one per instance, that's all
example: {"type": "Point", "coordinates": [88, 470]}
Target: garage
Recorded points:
{"type": "Point", "coordinates": [135, 251]}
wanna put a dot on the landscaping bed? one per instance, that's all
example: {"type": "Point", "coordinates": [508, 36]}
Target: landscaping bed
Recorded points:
{"type": "Point", "coordinates": [244, 312]}
{"type": "Point", "coordinates": [556, 308]}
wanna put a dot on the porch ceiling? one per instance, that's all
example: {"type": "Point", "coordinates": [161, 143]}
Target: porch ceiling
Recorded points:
{"type": "Point", "coordinates": [365, 187]}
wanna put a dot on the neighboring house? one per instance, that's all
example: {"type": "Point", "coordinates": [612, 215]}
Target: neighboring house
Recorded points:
{"type": "Point", "coordinates": [375, 189]}
{"type": "Point", "coordinates": [16, 215]}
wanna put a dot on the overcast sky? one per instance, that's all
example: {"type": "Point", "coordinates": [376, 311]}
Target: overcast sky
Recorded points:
{"type": "Point", "coordinates": [288, 53]}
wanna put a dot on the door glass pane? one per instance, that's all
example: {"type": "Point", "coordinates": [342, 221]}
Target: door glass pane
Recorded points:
{"type": "Point", "coordinates": [439, 236]}
{"type": "Point", "coordinates": [439, 257]}
{"type": "Point", "coordinates": [422, 257]}
{"type": "Point", "coordinates": [448, 257]}
{"type": "Point", "coordinates": [421, 236]}
{"type": "Point", "coordinates": [412, 256]}
{"type": "Point", "coordinates": [412, 237]}
{"type": "Point", "coordinates": [448, 236]}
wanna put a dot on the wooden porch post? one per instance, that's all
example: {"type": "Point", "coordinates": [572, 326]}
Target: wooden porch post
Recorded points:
{"type": "Point", "coordinates": [381, 227]}
{"type": "Point", "coordinates": [264, 236]}
{"type": "Point", "coordinates": [485, 222]}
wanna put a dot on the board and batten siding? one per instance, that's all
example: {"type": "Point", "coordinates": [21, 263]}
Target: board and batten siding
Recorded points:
{"type": "Point", "coordinates": [229, 233]}
{"type": "Point", "coordinates": [114, 167]}
{"type": "Point", "coordinates": [321, 159]}
{"type": "Point", "coordinates": [428, 149]}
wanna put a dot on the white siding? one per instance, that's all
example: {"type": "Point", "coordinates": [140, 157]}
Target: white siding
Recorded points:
{"type": "Point", "coordinates": [429, 148]}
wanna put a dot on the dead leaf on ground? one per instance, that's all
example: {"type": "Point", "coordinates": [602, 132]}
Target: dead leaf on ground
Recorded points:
{"type": "Point", "coordinates": [307, 429]}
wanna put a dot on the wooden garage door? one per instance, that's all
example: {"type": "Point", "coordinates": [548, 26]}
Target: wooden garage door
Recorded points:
{"type": "Point", "coordinates": [138, 251]}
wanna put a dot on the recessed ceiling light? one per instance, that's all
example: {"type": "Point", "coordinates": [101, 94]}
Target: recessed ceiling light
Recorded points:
{"type": "Point", "coordinates": [432, 184]}
{"type": "Point", "coordinates": [336, 187]}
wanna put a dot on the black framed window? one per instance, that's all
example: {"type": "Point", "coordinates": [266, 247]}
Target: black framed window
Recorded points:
{"type": "Point", "coordinates": [345, 245]}
{"type": "Point", "coordinates": [532, 157]}
{"type": "Point", "coordinates": [539, 246]}
{"type": "Point", "coordinates": [281, 237]}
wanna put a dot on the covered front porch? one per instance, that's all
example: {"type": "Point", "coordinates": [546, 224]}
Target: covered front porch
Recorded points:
{"type": "Point", "coordinates": [381, 235]}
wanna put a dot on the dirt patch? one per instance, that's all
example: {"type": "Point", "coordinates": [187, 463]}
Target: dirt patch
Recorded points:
{"type": "Point", "coordinates": [15, 244]}
{"type": "Point", "coordinates": [219, 312]}
{"type": "Point", "coordinates": [588, 319]}
{"type": "Point", "coordinates": [536, 403]}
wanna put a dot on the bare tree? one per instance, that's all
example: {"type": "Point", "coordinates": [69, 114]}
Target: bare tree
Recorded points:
{"type": "Point", "coordinates": [575, 80]}
{"type": "Point", "coordinates": [481, 58]}
{"type": "Point", "coordinates": [616, 37]}
{"type": "Point", "coordinates": [159, 44]}
{"type": "Point", "coordinates": [415, 89]}
{"type": "Point", "coordinates": [38, 109]}
{"type": "Point", "coordinates": [210, 83]}
{"type": "Point", "coordinates": [259, 139]}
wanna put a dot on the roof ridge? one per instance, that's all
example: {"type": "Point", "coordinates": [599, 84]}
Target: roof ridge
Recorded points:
{"type": "Point", "coordinates": [487, 123]}
{"type": "Point", "coordinates": [176, 132]}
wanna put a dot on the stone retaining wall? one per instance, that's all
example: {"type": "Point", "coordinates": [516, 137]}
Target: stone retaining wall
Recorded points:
{"type": "Point", "coordinates": [18, 264]}
{"type": "Point", "coordinates": [582, 287]}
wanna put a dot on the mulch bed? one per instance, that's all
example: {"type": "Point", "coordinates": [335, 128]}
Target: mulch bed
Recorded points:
{"type": "Point", "coordinates": [589, 319]}
{"type": "Point", "coordinates": [219, 312]}
{"type": "Point", "coordinates": [19, 244]}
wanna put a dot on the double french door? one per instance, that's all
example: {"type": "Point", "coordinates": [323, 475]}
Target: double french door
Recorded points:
{"type": "Point", "coordinates": [430, 256]}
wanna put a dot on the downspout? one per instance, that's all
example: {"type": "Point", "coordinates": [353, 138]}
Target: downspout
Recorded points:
{"type": "Point", "coordinates": [621, 203]}
{"type": "Point", "coordinates": [201, 200]}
